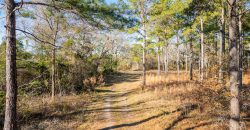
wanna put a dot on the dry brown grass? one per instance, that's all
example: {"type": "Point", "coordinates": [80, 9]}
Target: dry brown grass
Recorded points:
{"type": "Point", "coordinates": [246, 78]}
{"type": "Point", "coordinates": [166, 103]}
{"type": "Point", "coordinates": [63, 113]}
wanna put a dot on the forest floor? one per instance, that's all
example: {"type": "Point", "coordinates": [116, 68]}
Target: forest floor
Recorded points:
{"type": "Point", "coordinates": [166, 103]}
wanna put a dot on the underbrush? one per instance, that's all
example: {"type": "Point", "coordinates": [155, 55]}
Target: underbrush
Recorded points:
{"type": "Point", "coordinates": [43, 113]}
{"type": "Point", "coordinates": [168, 102]}
{"type": "Point", "coordinates": [212, 99]}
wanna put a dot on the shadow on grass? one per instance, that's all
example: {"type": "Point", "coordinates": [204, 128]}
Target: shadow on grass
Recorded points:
{"type": "Point", "coordinates": [117, 107]}
{"type": "Point", "coordinates": [39, 117]}
{"type": "Point", "coordinates": [121, 77]}
{"type": "Point", "coordinates": [42, 116]}
{"type": "Point", "coordinates": [34, 118]}
{"type": "Point", "coordinates": [135, 123]}
{"type": "Point", "coordinates": [185, 111]}
{"type": "Point", "coordinates": [246, 118]}
{"type": "Point", "coordinates": [150, 118]}
{"type": "Point", "coordinates": [117, 95]}
{"type": "Point", "coordinates": [135, 110]}
{"type": "Point", "coordinates": [200, 125]}
{"type": "Point", "coordinates": [103, 91]}
{"type": "Point", "coordinates": [175, 84]}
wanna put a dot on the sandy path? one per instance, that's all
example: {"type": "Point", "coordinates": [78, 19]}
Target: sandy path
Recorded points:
{"type": "Point", "coordinates": [114, 107]}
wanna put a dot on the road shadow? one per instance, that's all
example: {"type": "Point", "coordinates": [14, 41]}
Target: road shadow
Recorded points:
{"type": "Point", "coordinates": [134, 123]}
{"type": "Point", "coordinates": [124, 94]}
{"type": "Point", "coordinates": [35, 118]}
{"type": "Point", "coordinates": [103, 91]}
{"type": "Point", "coordinates": [183, 109]}
{"type": "Point", "coordinates": [117, 107]}
{"type": "Point", "coordinates": [121, 77]}
{"type": "Point", "coordinates": [199, 125]}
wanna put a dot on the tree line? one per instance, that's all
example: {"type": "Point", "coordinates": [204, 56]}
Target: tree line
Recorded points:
{"type": "Point", "coordinates": [72, 50]}
{"type": "Point", "coordinates": [209, 33]}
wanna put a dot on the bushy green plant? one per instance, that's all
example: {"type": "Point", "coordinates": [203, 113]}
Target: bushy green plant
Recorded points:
{"type": "Point", "coordinates": [109, 65]}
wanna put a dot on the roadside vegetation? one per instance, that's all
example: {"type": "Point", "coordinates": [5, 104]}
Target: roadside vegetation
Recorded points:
{"type": "Point", "coordinates": [124, 64]}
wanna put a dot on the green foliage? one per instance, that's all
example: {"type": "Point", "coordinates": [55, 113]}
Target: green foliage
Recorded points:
{"type": "Point", "coordinates": [99, 14]}
{"type": "Point", "coordinates": [27, 14]}
{"type": "Point", "coordinates": [2, 64]}
{"type": "Point", "coordinates": [133, 29]}
{"type": "Point", "coordinates": [109, 65]}
{"type": "Point", "coordinates": [166, 19]}
{"type": "Point", "coordinates": [136, 52]}
{"type": "Point", "coordinates": [81, 57]}
{"type": "Point", "coordinates": [68, 43]}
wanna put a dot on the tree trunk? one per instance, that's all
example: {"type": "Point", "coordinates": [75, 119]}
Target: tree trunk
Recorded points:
{"type": "Point", "coordinates": [215, 45]}
{"type": "Point", "coordinates": [53, 77]}
{"type": "Point", "coordinates": [166, 61]}
{"type": "Point", "coordinates": [11, 83]}
{"type": "Point", "coordinates": [247, 62]}
{"type": "Point", "coordinates": [241, 50]}
{"type": "Point", "coordinates": [143, 17]}
{"type": "Point", "coordinates": [159, 62]}
{"type": "Point", "coordinates": [54, 61]}
{"type": "Point", "coordinates": [178, 62]}
{"type": "Point", "coordinates": [178, 57]}
{"type": "Point", "coordinates": [216, 53]}
{"type": "Point", "coordinates": [202, 50]}
{"type": "Point", "coordinates": [234, 66]}
{"type": "Point", "coordinates": [162, 59]}
{"type": "Point", "coordinates": [144, 63]}
{"type": "Point", "coordinates": [222, 45]}
{"type": "Point", "coordinates": [138, 66]}
{"type": "Point", "coordinates": [191, 61]}
{"type": "Point", "coordinates": [200, 63]}
{"type": "Point", "coordinates": [186, 63]}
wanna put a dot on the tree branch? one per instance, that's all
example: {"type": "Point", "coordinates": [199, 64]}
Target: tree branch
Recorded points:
{"type": "Point", "coordinates": [48, 5]}
{"type": "Point", "coordinates": [245, 11]}
{"type": "Point", "coordinates": [39, 76]}
{"type": "Point", "coordinates": [46, 42]}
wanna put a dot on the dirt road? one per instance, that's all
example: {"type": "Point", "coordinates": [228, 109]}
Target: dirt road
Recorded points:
{"type": "Point", "coordinates": [125, 106]}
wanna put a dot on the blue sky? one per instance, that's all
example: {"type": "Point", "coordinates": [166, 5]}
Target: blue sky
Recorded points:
{"type": "Point", "coordinates": [2, 19]}
{"type": "Point", "coordinates": [111, 1]}
{"type": "Point", "coordinates": [2, 23]}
